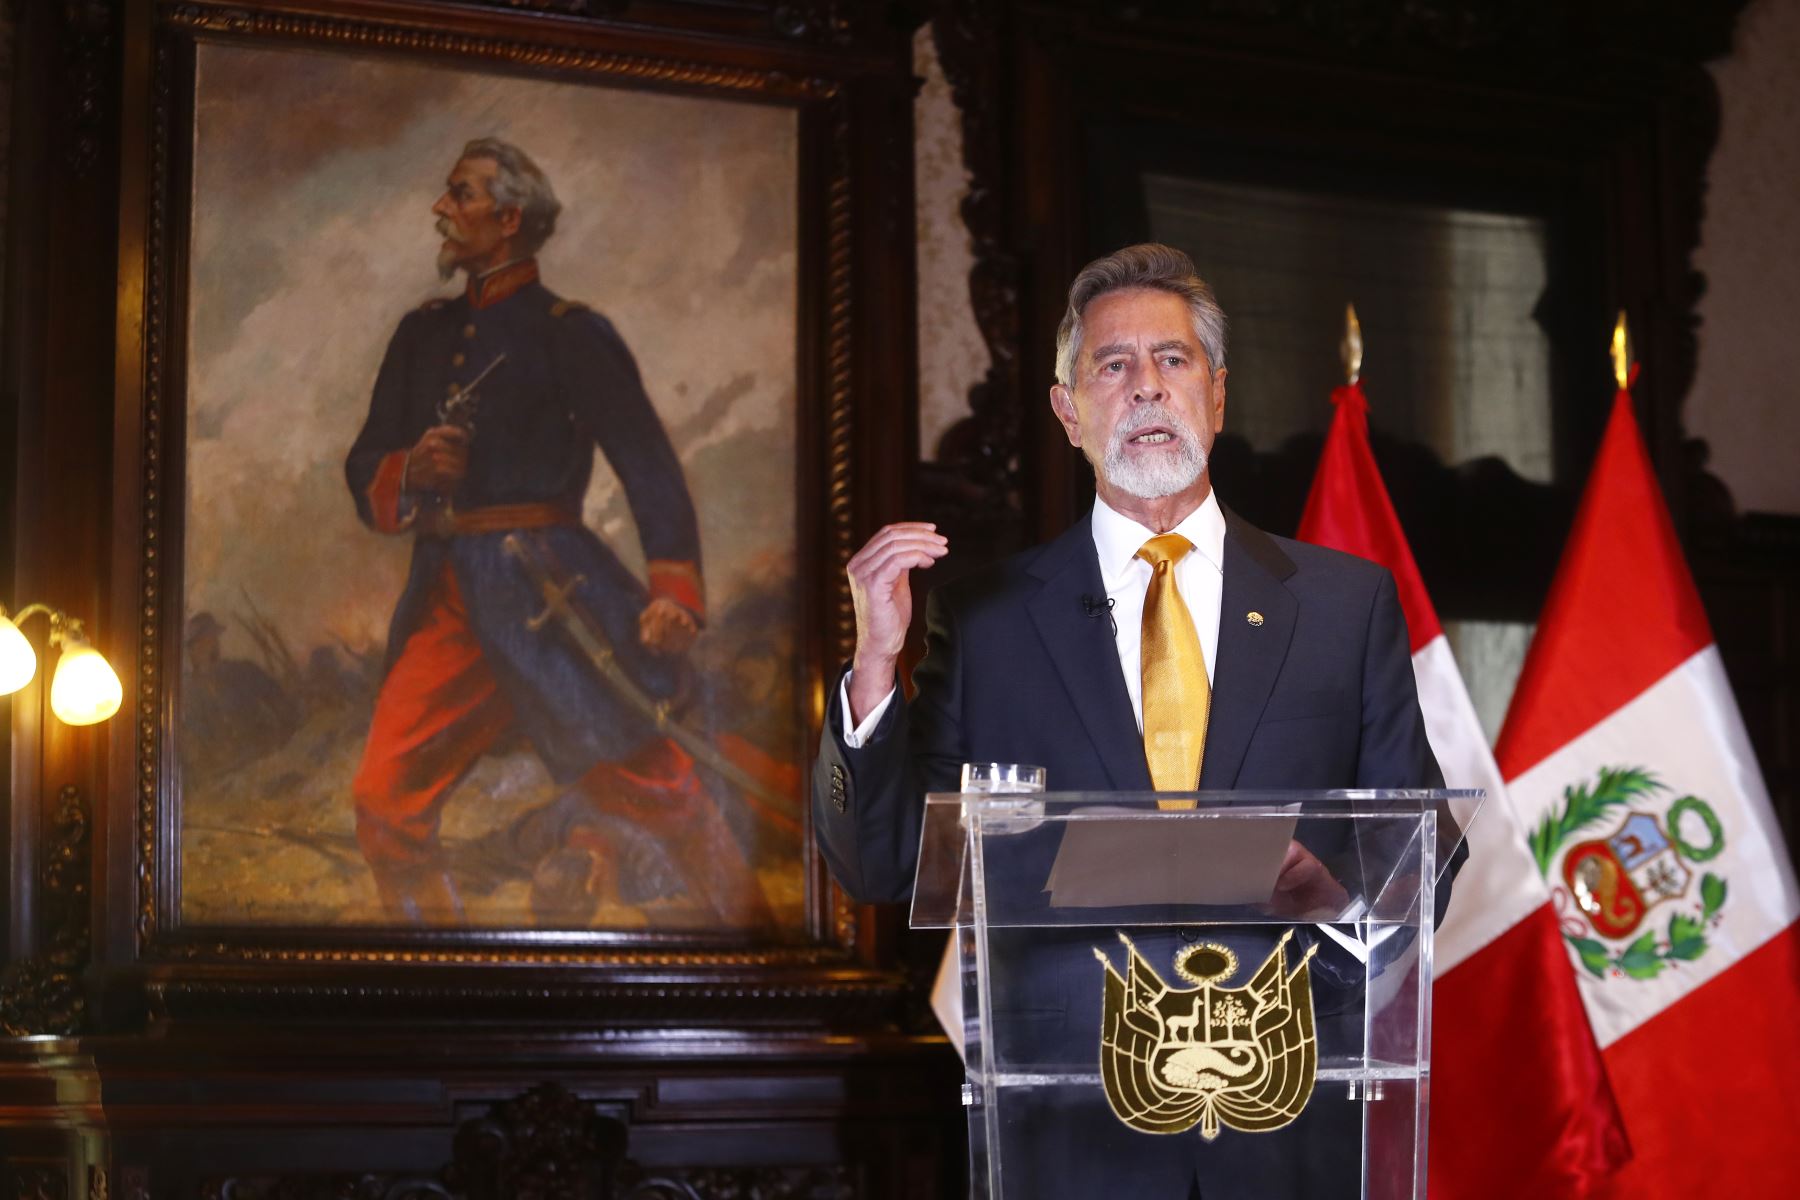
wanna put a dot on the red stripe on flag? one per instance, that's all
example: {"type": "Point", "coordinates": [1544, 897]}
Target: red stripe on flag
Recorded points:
{"type": "Point", "coordinates": [1622, 612]}
{"type": "Point", "coordinates": [1718, 1104]}
{"type": "Point", "coordinates": [1349, 509]}
{"type": "Point", "coordinates": [1520, 1104]}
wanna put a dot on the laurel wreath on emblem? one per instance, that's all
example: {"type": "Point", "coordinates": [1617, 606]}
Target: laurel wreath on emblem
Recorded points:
{"type": "Point", "coordinates": [1607, 895]}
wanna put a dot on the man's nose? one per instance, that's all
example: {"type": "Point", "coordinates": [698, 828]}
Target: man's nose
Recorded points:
{"type": "Point", "coordinates": [1147, 386]}
{"type": "Point", "coordinates": [442, 207]}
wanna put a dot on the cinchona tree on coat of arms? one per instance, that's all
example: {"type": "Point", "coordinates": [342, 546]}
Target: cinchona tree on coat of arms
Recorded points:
{"type": "Point", "coordinates": [1606, 887]}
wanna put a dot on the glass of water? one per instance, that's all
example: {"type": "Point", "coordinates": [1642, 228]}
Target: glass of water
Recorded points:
{"type": "Point", "coordinates": [999, 778]}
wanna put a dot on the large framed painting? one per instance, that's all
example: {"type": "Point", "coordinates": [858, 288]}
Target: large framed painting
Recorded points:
{"type": "Point", "coordinates": [496, 466]}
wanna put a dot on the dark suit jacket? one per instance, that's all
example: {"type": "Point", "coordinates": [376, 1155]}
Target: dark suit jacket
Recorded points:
{"type": "Point", "coordinates": [1319, 695]}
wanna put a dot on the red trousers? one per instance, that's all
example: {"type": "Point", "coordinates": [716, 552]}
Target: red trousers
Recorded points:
{"type": "Point", "coordinates": [440, 709]}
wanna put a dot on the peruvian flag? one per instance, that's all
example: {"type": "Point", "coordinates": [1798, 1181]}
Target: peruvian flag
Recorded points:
{"type": "Point", "coordinates": [1520, 1104]}
{"type": "Point", "coordinates": [1648, 820]}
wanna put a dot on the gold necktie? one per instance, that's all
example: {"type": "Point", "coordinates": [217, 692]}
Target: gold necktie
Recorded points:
{"type": "Point", "coordinates": [1177, 698]}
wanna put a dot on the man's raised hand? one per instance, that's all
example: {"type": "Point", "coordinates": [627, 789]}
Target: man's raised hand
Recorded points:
{"type": "Point", "coordinates": [883, 600]}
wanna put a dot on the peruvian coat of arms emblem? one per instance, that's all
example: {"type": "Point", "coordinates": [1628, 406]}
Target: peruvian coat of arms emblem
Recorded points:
{"type": "Point", "coordinates": [1173, 1058]}
{"type": "Point", "coordinates": [1606, 887]}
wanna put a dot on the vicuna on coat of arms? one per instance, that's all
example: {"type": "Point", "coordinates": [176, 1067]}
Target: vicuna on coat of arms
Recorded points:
{"type": "Point", "coordinates": [1208, 1055]}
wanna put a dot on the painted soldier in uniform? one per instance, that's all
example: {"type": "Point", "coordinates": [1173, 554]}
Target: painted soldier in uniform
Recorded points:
{"type": "Point", "coordinates": [466, 661]}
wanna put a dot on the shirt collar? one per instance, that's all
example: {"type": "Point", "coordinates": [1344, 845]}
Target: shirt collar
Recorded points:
{"type": "Point", "coordinates": [1118, 538]}
{"type": "Point", "coordinates": [491, 287]}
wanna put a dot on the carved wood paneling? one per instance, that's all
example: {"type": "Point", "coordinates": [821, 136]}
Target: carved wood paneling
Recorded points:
{"type": "Point", "coordinates": [977, 477]}
{"type": "Point", "coordinates": [570, 8]}
{"type": "Point", "coordinates": [827, 21]}
{"type": "Point", "coordinates": [624, 1010]}
{"type": "Point", "coordinates": [42, 993]}
{"type": "Point", "coordinates": [743, 1183]}
{"type": "Point", "coordinates": [91, 46]}
{"type": "Point", "coordinates": [34, 1182]}
{"type": "Point", "coordinates": [544, 1144]}
{"type": "Point", "coordinates": [1618, 102]}
{"type": "Point", "coordinates": [359, 33]}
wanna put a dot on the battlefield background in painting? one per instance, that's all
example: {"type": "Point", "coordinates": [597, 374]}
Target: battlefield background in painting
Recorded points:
{"type": "Point", "coordinates": [314, 176]}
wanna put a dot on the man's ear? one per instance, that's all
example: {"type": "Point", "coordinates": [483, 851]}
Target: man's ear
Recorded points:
{"type": "Point", "coordinates": [1062, 403]}
{"type": "Point", "coordinates": [511, 219]}
{"type": "Point", "coordinates": [1218, 401]}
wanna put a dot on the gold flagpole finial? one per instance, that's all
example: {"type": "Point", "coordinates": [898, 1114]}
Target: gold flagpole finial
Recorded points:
{"type": "Point", "coordinates": [1350, 350]}
{"type": "Point", "coordinates": [1621, 351]}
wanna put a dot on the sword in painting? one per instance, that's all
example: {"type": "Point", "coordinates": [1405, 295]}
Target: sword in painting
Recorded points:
{"type": "Point", "coordinates": [561, 611]}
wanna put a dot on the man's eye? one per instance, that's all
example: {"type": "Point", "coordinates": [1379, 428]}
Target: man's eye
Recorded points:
{"type": "Point", "coordinates": [1112, 368]}
{"type": "Point", "coordinates": [1173, 360]}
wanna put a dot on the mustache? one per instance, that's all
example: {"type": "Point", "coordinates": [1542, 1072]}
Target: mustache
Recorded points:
{"type": "Point", "coordinates": [447, 230]}
{"type": "Point", "coordinates": [1147, 417]}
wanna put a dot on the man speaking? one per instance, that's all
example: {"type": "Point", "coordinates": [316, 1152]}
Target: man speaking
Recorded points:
{"type": "Point", "coordinates": [1231, 659]}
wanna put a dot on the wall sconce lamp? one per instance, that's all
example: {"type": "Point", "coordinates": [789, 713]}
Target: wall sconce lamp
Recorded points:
{"type": "Point", "coordinates": [83, 691]}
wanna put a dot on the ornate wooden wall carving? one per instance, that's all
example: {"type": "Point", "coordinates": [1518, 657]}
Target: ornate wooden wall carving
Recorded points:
{"type": "Point", "coordinates": [43, 993]}
{"type": "Point", "coordinates": [1028, 75]}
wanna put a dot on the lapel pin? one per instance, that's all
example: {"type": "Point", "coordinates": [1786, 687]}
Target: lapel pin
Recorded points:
{"type": "Point", "coordinates": [1255, 618]}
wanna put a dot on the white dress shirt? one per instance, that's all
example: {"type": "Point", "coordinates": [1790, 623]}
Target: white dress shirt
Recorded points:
{"type": "Point", "coordinates": [1199, 577]}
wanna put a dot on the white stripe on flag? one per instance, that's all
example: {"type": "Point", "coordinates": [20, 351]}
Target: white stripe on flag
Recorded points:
{"type": "Point", "coordinates": [1685, 730]}
{"type": "Point", "coordinates": [1500, 886]}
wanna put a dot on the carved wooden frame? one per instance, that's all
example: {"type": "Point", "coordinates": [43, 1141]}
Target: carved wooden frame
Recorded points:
{"type": "Point", "coordinates": [846, 412]}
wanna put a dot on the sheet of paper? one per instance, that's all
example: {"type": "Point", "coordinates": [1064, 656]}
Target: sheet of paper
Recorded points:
{"type": "Point", "coordinates": [1213, 860]}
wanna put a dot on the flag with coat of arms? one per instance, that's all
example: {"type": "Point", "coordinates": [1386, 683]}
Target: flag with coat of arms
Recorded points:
{"type": "Point", "coordinates": [1520, 1103]}
{"type": "Point", "coordinates": [1649, 822]}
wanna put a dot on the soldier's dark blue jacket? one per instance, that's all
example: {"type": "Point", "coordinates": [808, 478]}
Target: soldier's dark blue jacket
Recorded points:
{"type": "Point", "coordinates": [567, 384]}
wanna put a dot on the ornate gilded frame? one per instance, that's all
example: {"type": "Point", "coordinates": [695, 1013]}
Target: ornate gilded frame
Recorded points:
{"type": "Point", "coordinates": [854, 339]}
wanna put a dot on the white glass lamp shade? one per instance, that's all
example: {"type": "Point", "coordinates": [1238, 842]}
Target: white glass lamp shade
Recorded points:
{"type": "Point", "coordinates": [84, 689]}
{"type": "Point", "coordinates": [18, 662]}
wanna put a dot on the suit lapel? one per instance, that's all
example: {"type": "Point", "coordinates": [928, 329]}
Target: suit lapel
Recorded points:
{"type": "Point", "coordinates": [1250, 655]}
{"type": "Point", "coordinates": [1085, 656]}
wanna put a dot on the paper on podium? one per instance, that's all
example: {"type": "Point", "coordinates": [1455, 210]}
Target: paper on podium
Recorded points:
{"type": "Point", "coordinates": [1102, 863]}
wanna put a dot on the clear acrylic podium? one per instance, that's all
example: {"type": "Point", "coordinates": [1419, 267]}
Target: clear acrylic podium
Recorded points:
{"type": "Point", "coordinates": [1229, 988]}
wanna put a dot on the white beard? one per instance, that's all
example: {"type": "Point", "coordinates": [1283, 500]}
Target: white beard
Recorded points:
{"type": "Point", "coordinates": [1151, 476]}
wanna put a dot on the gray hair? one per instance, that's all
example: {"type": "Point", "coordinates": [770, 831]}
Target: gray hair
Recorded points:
{"type": "Point", "coordinates": [518, 183]}
{"type": "Point", "coordinates": [1149, 265]}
